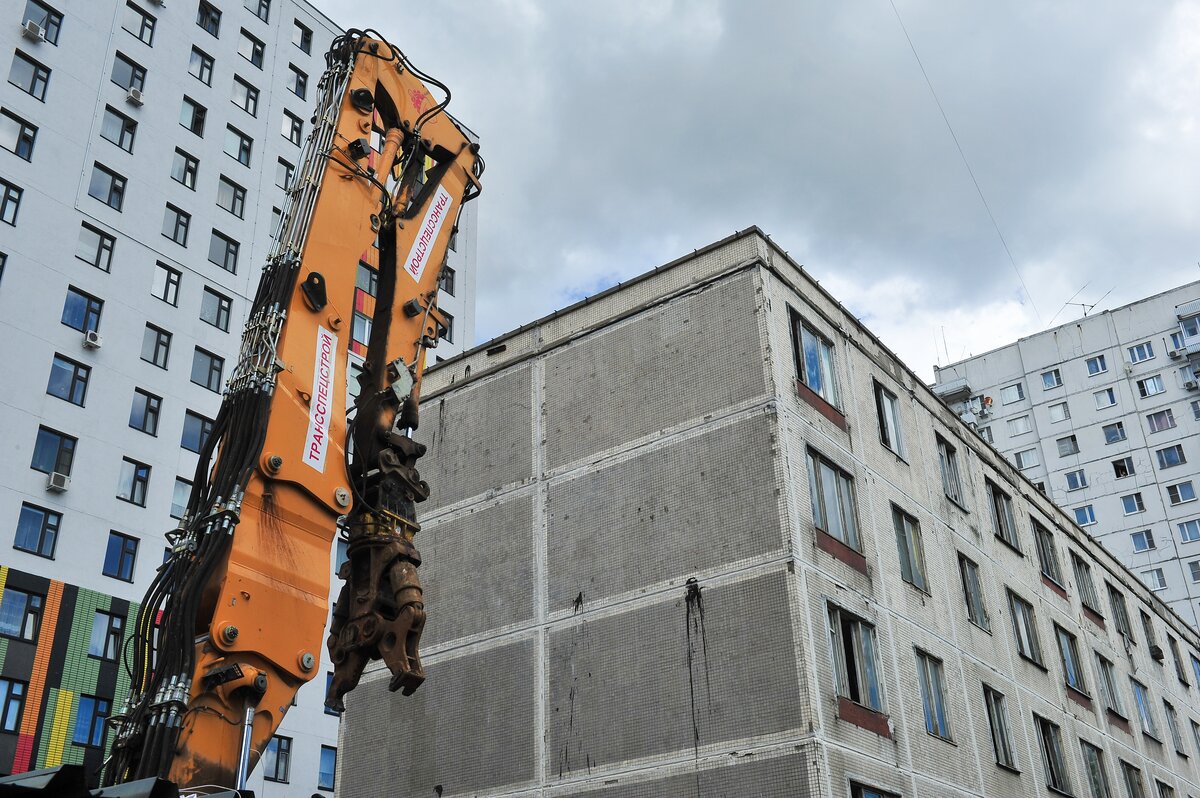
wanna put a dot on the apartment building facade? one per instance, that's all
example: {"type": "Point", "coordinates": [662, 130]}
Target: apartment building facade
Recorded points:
{"type": "Point", "coordinates": [1104, 414]}
{"type": "Point", "coordinates": [145, 150]}
{"type": "Point", "coordinates": [704, 535]}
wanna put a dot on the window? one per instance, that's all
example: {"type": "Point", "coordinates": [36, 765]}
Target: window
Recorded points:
{"type": "Point", "coordinates": [223, 251]}
{"type": "Point", "coordinates": [37, 530]}
{"type": "Point", "coordinates": [133, 482]}
{"type": "Point", "coordinates": [1059, 412]}
{"type": "Point", "coordinates": [1019, 426]}
{"type": "Point", "coordinates": [251, 49]}
{"type": "Point", "coordinates": [1143, 351]}
{"type": "Point", "coordinates": [1154, 579]}
{"type": "Point", "coordinates": [855, 661]}
{"type": "Point", "coordinates": [260, 8]}
{"type": "Point", "coordinates": [10, 202]}
{"type": "Point", "coordinates": [366, 279]}
{"type": "Point", "coordinates": [1143, 540]}
{"type": "Point", "coordinates": [231, 197]}
{"type": "Point", "coordinates": [447, 332]}
{"type": "Point", "coordinates": [1194, 567]}
{"type": "Point", "coordinates": [107, 186]}
{"type": "Point", "coordinates": [998, 721]}
{"type": "Point", "coordinates": [179, 497]}
{"type": "Point", "coordinates": [105, 641]}
{"type": "Point", "coordinates": [1047, 553]}
{"type": "Point", "coordinates": [1196, 409]}
{"type": "Point", "coordinates": [139, 23]}
{"type": "Point", "coordinates": [1083, 581]}
{"type": "Point", "coordinates": [176, 223]}
{"type": "Point", "coordinates": [933, 694]}
{"type": "Point", "coordinates": [1012, 393]}
{"type": "Point", "coordinates": [1068, 652]}
{"type": "Point", "coordinates": [1054, 764]}
{"type": "Point", "coordinates": [327, 768]}
{"type": "Point", "coordinates": [1105, 398]}
{"type": "Point", "coordinates": [1181, 492]}
{"type": "Point", "coordinates": [1096, 365]}
{"type": "Point", "coordinates": [46, 18]}
{"type": "Point", "coordinates": [1134, 786]}
{"type": "Point", "coordinates": [1051, 379]}
{"type": "Point", "coordinates": [1163, 419]}
{"type": "Point", "coordinates": [297, 82]}
{"type": "Point", "coordinates": [1106, 676]}
{"type": "Point", "coordinates": [292, 127]}
{"type": "Point", "coordinates": [200, 66]}
{"type": "Point", "coordinates": [277, 759]}
{"type": "Point", "coordinates": [1189, 531]}
{"type": "Point", "coordinates": [1150, 386]}
{"type": "Point", "coordinates": [68, 380]}
{"type": "Point", "coordinates": [284, 172]}
{"type": "Point", "coordinates": [29, 76]}
{"type": "Point", "coordinates": [120, 555]}
{"type": "Point", "coordinates": [95, 247]}
{"type": "Point", "coordinates": [207, 369]}
{"type": "Point", "coordinates": [16, 135]}
{"type": "Point", "coordinates": [1123, 467]}
{"type": "Point", "coordinates": [1164, 790]}
{"type": "Point", "coordinates": [1173, 725]}
{"type": "Point", "coordinates": [53, 452]}
{"type": "Point", "coordinates": [301, 36]}
{"type": "Point", "coordinates": [1003, 523]}
{"type": "Point", "coordinates": [1093, 768]}
{"type": "Point", "coordinates": [1025, 628]}
{"type": "Point", "coordinates": [143, 414]}
{"type": "Point", "coordinates": [20, 614]}
{"type": "Point", "coordinates": [12, 704]}
{"type": "Point", "coordinates": [912, 555]}
{"type": "Point", "coordinates": [156, 346]}
{"type": "Point", "coordinates": [1132, 503]}
{"type": "Point", "coordinates": [245, 96]}
{"type": "Point", "coordinates": [1114, 432]}
{"type": "Point", "coordinates": [183, 170]}
{"type": "Point", "coordinates": [1141, 697]}
{"type": "Point", "coordinates": [360, 328]}
{"type": "Point", "coordinates": [1076, 480]}
{"type": "Point", "coordinates": [985, 433]}
{"type": "Point", "coordinates": [1148, 628]}
{"type": "Point", "coordinates": [1067, 446]}
{"type": "Point", "coordinates": [238, 145]}
{"type": "Point", "coordinates": [446, 280]}
{"type": "Point", "coordinates": [1027, 458]}
{"type": "Point", "coordinates": [1085, 515]}
{"type": "Point", "coordinates": [128, 74]}
{"type": "Point", "coordinates": [814, 360]}
{"type": "Point", "coordinates": [192, 115]}
{"type": "Point", "coordinates": [166, 283]}
{"type": "Point", "coordinates": [89, 721]}
{"type": "Point", "coordinates": [832, 493]}
{"type": "Point", "coordinates": [1120, 613]}
{"type": "Point", "coordinates": [208, 17]}
{"type": "Point", "coordinates": [276, 222]}
{"type": "Point", "coordinates": [196, 429]}
{"type": "Point", "coordinates": [1171, 456]}
{"type": "Point", "coordinates": [948, 463]}
{"type": "Point", "coordinates": [214, 309]}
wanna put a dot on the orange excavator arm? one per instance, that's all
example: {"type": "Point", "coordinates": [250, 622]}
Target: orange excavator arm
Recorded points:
{"type": "Point", "coordinates": [232, 626]}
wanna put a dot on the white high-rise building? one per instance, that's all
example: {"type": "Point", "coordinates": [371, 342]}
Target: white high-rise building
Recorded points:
{"type": "Point", "coordinates": [144, 150]}
{"type": "Point", "coordinates": [1103, 413]}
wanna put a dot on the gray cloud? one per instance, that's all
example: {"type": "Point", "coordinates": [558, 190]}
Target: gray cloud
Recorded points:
{"type": "Point", "coordinates": [621, 135]}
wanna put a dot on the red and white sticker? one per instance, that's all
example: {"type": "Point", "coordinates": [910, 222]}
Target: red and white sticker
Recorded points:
{"type": "Point", "coordinates": [418, 256]}
{"type": "Point", "coordinates": [320, 408]}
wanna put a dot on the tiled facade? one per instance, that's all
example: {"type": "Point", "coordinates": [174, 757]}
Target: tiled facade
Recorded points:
{"type": "Point", "coordinates": [704, 535]}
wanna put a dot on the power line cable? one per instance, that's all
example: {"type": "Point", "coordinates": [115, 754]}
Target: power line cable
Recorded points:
{"type": "Point", "coordinates": [966, 163]}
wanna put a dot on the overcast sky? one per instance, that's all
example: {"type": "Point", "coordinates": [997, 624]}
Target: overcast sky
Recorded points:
{"type": "Point", "coordinates": [620, 135]}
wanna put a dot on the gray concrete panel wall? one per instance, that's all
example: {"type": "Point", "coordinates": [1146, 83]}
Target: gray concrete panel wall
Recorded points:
{"type": "Point", "coordinates": [788, 776]}
{"type": "Point", "coordinates": [470, 729]}
{"type": "Point", "coordinates": [676, 362]}
{"type": "Point", "coordinates": [698, 502]}
{"type": "Point", "coordinates": [478, 570]}
{"type": "Point", "coordinates": [479, 439]}
{"type": "Point", "coordinates": [671, 676]}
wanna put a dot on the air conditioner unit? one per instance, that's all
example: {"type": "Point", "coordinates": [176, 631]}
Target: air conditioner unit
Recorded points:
{"type": "Point", "coordinates": [134, 97]}
{"type": "Point", "coordinates": [92, 340]}
{"type": "Point", "coordinates": [57, 482]}
{"type": "Point", "coordinates": [1190, 385]}
{"type": "Point", "coordinates": [32, 30]}
{"type": "Point", "coordinates": [1174, 354]}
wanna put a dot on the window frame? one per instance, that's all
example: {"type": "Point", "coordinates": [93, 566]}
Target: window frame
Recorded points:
{"type": "Point", "coordinates": [856, 678]}
{"type": "Point", "coordinates": [223, 309]}
{"type": "Point", "coordinates": [151, 411]}
{"type": "Point", "coordinates": [117, 183]}
{"type": "Point", "coordinates": [64, 450]}
{"type": "Point", "coordinates": [1024, 625]}
{"type": "Point", "coordinates": [1074, 675]}
{"type": "Point", "coordinates": [910, 548]}
{"type": "Point", "coordinates": [146, 22]}
{"type": "Point", "coordinates": [25, 138]}
{"type": "Point", "coordinates": [843, 492]}
{"type": "Point", "coordinates": [161, 349]}
{"type": "Point", "coordinates": [48, 529]}
{"type": "Point", "coordinates": [77, 385]}
{"type": "Point", "coordinates": [39, 75]}
{"type": "Point", "coordinates": [973, 595]}
{"type": "Point", "coordinates": [125, 556]}
{"type": "Point", "coordinates": [1054, 760]}
{"type": "Point", "coordinates": [1004, 523]}
{"type": "Point", "coordinates": [30, 612]}
{"type": "Point", "coordinates": [50, 22]}
{"type": "Point", "coordinates": [137, 488]}
{"type": "Point", "coordinates": [887, 411]}
{"type": "Point", "coordinates": [105, 247]}
{"type": "Point", "coordinates": [212, 367]}
{"type": "Point", "coordinates": [931, 679]}
{"type": "Point", "coordinates": [166, 288]}
{"type": "Point", "coordinates": [200, 65]}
